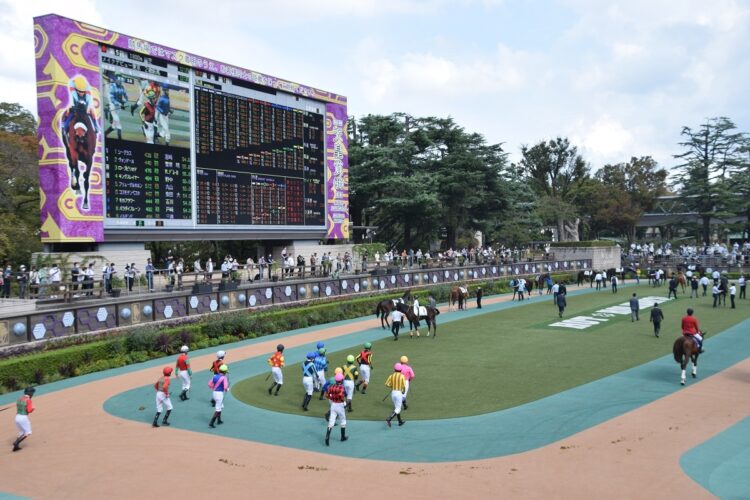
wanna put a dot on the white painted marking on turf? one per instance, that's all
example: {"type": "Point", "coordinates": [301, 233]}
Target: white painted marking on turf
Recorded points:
{"type": "Point", "coordinates": [603, 315]}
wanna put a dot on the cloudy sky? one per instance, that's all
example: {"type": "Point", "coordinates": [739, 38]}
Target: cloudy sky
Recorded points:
{"type": "Point", "coordinates": [619, 78]}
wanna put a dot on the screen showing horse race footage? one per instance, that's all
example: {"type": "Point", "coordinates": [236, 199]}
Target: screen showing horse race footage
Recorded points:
{"type": "Point", "coordinates": [184, 148]}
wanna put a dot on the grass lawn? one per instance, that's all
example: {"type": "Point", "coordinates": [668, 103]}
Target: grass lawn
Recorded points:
{"type": "Point", "coordinates": [506, 358]}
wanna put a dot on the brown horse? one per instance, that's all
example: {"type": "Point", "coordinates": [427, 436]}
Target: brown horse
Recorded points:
{"type": "Point", "coordinates": [430, 317]}
{"type": "Point", "coordinates": [80, 145]}
{"type": "Point", "coordinates": [685, 351]}
{"type": "Point", "coordinates": [385, 307]}
{"type": "Point", "coordinates": [682, 281]}
{"type": "Point", "coordinates": [458, 296]}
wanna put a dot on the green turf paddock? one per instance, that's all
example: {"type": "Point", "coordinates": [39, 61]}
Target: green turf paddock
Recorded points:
{"type": "Point", "coordinates": [503, 359]}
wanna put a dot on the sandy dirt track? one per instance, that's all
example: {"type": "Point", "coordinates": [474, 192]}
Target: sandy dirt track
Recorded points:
{"type": "Point", "coordinates": [80, 451]}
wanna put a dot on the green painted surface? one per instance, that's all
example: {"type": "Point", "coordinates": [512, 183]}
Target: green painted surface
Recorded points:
{"type": "Point", "coordinates": [514, 430]}
{"type": "Point", "coordinates": [501, 359]}
{"type": "Point", "coordinates": [722, 464]}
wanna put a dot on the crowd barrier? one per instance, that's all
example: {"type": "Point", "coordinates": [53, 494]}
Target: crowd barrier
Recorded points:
{"type": "Point", "coordinates": [68, 319]}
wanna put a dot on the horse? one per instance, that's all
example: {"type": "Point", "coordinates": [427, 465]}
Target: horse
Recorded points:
{"type": "Point", "coordinates": [682, 281]}
{"type": "Point", "coordinates": [457, 293]}
{"type": "Point", "coordinates": [428, 314]}
{"type": "Point", "coordinates": [80, 145]}
{"type": "Point", "coordinates": [580, 278]}
{"type": "Point", "coordinates": [685, 351]}
{"type": "Point", "coordinates": [386, 307]}
{"type": "Point", "coordinates": [541, 282]}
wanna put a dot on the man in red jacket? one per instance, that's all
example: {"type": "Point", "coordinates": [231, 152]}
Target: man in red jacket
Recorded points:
{"type": "Point", "coordinates": [691, 329]}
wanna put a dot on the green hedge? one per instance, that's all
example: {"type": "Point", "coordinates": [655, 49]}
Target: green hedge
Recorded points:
{"type": "Point", "coordinates": [151, 342]}
{"type": "Point", "coordinates": [582, 244]}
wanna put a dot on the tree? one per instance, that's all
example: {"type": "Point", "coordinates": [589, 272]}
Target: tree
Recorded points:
{"type": "Point", "coordinates": [19, 185]}
{"type": "Point", "coordinates": [470, 190]}
{"type": "Point", "coordinates": [712, 153]}
{"type": "Point", "coordinates": [389, 186]}
{"type": "Point", "coordinates": [413, 176]}
{"type": "Point", "coordinates": [15, 119]}
{"type": "Point", "coordinates": [553, 169]}
{"type": "Point", "coordinates": [629, 190]}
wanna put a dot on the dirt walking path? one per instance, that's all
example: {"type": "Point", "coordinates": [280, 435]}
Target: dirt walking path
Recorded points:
{"type": "Point", "coordinates": [80, 451]}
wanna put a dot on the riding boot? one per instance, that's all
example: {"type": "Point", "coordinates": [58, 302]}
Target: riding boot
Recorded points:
{"type": "Point", "coordinates": [400, 421]}
{"type": "Point", "coordinates": [364, 389]}
{"type": "Point", "coordinates": [17, 442]}
{"type": "Point", "coordinates": [406, 407]}
{"type": "Point", "coordinates": [278, 386]}
{"type": "Point", "coordinates": [322, 395]}
{"type": "Point", "coordinates": [166, 417]}
{"type": "Point", "coordinates": [156, 419]}
{"type": "Point", "coordinates": [349, 406]}
{"type": "Point", "coordinates": [356, 387]}
{"type": "Point", "coordinates": [213, 419]}
{"type": "Point", "coordinates": [271, 388]}
{"type": "Point", "coordinates": [327, 416]}
{"type": "Point", "coordinates": [219, 421]}
{"type": "Point", "coordinates": [119, 134]}
{"type": "Point", "coordinates": [328, 437]}
{"type": "Point", "coordinates": [306, 402]}
{"type": "Point", "coordinates": [186, 395]}
{"type": "Point", "coordinates": [108, 131]}
{"type": "Point", "coordinates": [213, 402]}
{"type": "Point", "coordinates": [343, 434]}
{"type": "Point", "coordinates": [388, 420]}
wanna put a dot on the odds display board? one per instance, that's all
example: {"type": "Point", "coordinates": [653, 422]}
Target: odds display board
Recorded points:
{"type": "Point", "coordinates": [141, 141]}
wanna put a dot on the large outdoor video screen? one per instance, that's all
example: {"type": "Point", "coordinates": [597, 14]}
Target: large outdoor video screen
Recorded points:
{"type": "Point", "coordinates": [257, 155]}
{"type": "Point", "coordinates": [138, 139]}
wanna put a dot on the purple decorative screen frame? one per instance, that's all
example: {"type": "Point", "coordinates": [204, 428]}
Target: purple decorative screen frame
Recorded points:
{"type": "Point", "coordinates": [65, 49]}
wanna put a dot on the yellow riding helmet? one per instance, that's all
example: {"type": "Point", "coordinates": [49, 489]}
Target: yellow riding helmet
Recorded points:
{"type": "Point", "coordinates": [150, 94]}
{"type": "Point", "coordinates": [404, 359]}
{"type": "Point", "coordinates": [338, 370]}
{"type": "Point", "coordinates": [80, 83]}
{"type": "Point", "coordinates": [223, 368]}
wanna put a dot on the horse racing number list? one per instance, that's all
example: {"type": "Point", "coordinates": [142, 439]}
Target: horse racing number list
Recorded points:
{"type": "Point", "coordinates": [258, 163]}
{"type": "Point", "coordinates": [147, 181]}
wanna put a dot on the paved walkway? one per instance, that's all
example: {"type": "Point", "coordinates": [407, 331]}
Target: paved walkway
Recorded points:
{"type": "Point", "coordinates": [79, 447]}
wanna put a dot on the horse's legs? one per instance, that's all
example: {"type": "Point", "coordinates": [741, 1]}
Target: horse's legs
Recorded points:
{"type": "Point", "coordinates": [86, 175]}
{"type": "Point", "coordinates": [695, 365]}
{"type": "Point", "coordinates": [684, 360]}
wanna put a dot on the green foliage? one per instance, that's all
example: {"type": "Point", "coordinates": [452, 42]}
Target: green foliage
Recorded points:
{"type": "Point", "coordinates": [369, 249]}
{"type": "Point", "coordinates": [413, 177]}
{"type": "Point", "coordinates": [15, 119]}
{"type": "Point", "coordinates": [19, 189]}
{"type": "Point", "coordinates": [583, 244]}
{"type": "Point", "coordinates": [712, 153]}
{"type": "Point", "coordinates": [35, 368]}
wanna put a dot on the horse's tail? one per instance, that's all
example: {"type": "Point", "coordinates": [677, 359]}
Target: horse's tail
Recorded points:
{"type": "Point", "coordinates": [378, 309]}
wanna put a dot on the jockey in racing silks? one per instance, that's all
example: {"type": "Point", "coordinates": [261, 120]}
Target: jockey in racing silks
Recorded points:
{"type": "Point", "coordinates": [118, 98]}
{"type": "Point", "coordinates": [690, 328]}
{"type": "Point", "coordinates": [415, 307]}
{"type": "Point", "coordinates": [321, 367]}
{"type": "Point", "coordinates": [148, 115]}
{"type": "Point", "coordinates": [80, 92]}
{"type": "Point", "coordinates": [163, 110]}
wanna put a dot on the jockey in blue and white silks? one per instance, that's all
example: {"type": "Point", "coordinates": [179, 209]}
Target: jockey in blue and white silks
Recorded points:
{"type": "Point", "coordinates": [118, 98]}
{"type": "Point", "coordinates": [163, 110]}
{"type": "Point", "coordinates": [80, 92]}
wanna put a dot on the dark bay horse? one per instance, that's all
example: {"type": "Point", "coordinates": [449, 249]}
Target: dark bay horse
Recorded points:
{"type": "Point", "coordinates": [458, 296]}
{"type": "Point", "coordinates": [386, 307]}
{"type": "Point", "coordinates": [686, 351]}
{"type": "Point", "coordinates": [80, 146]}
{"type": "Point", "coordinates": [430, 318]}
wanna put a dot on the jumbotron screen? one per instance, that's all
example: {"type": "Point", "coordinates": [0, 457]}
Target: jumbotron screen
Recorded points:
{"type": "Point", "coordinates": [139, 141]}
{"type": "Point", "coordinates": [258, 154]}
